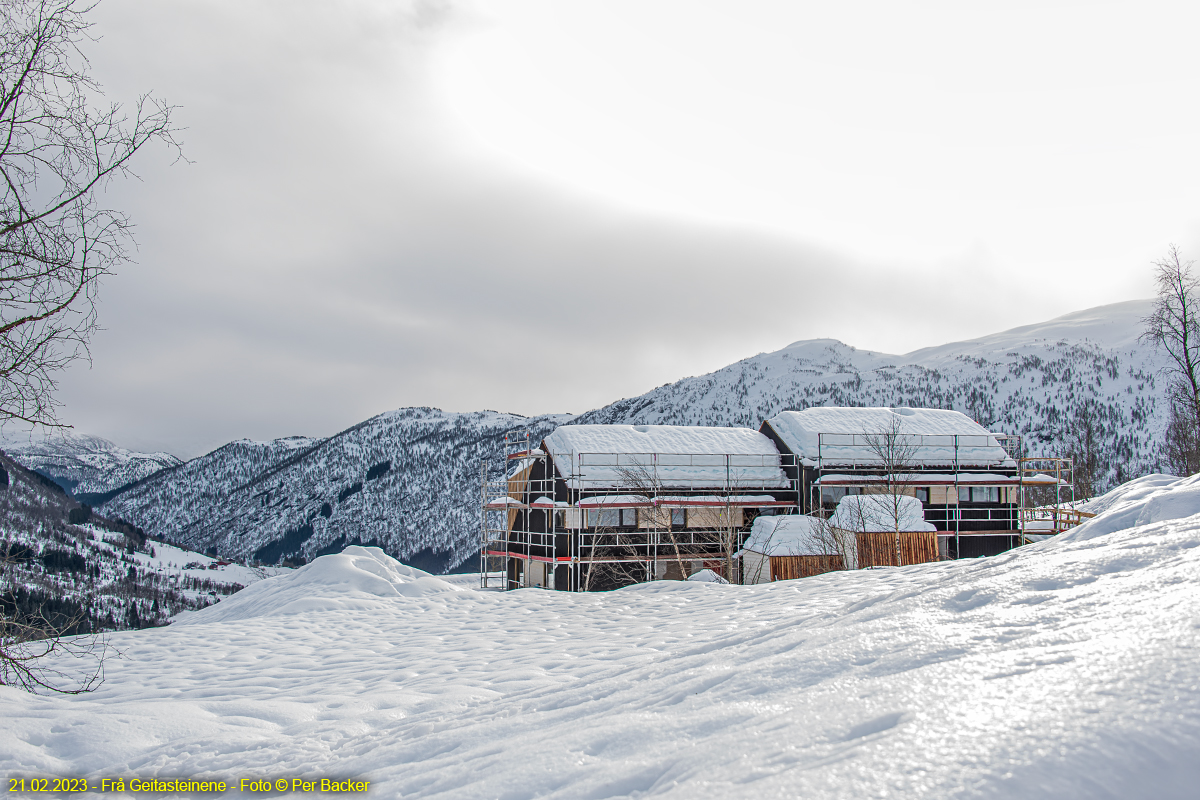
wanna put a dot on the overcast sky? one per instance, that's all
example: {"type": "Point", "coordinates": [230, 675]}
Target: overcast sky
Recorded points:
{"type": "Point", "coordinates": [546, 205]}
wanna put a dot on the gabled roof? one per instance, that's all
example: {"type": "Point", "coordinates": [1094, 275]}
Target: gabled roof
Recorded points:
{"type": "Point", "coordinates": [649, 457]}
{"type": "Point", "coordinates": [840, 436]}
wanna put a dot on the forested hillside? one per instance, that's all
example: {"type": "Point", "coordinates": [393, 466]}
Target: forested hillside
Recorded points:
{"type": "Point", "coordinates": [407, 480]}
{"type": "Point", "coordinates": [86, 573]}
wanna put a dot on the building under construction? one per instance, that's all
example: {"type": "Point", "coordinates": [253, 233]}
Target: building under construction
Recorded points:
{"type": "Point", "coordinates": [594, 507]}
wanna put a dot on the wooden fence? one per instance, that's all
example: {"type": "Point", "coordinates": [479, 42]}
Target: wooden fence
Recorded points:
{"type": "Point", "coordinates": [785, 568]}
{"type": "Point", "coordinates": [879, 549]}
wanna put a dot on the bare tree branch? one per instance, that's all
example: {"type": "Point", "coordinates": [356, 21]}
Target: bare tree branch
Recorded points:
{"type": "Point", "coordinates": [38, 653]}
{"type": "Point", "coordinates": [1174, 327]}
{"type": "Point", "coordinates": [58, 152]}
{"type": "Point", "coordinates": [895, 451]}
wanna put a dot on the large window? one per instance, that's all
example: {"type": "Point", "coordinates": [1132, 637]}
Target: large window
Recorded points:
{"type": "Point", "coordinates": [979, 494]}
{"type": "Point", "coordinates": [604, 518]}
{"type": "Point", "coordinates": [612, 518]}
{"type": "Point", "coordinates": [678, 517]}
{"type": "Point", "coordinates": [830, 495]}
{"type": "Point", "coordinates": [923, 495]}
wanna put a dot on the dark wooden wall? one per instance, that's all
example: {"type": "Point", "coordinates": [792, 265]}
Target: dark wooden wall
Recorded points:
{"type": "Point", "coordinates": [785, 568]}
{"type": "Point", "coordinates": [879, 549]}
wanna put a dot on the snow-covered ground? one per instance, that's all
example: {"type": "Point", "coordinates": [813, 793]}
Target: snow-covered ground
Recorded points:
{"type": "Point", "coordinates": [1065, 669]}
{"type": "Point", "coordinates": [170, 560]}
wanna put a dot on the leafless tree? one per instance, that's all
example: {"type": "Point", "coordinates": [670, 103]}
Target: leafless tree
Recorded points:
{"type": "Point", "coordinates": [639, 479]}
{"type": "Point", "coordinates": [1082, 445]}
{"type": "Point", "coordinates": [33, 647]}
{"type": "Point", "coordinates": [1174, 327]}
{"type": "Point", "coordinates": [895, 451]}
{"type": "Point", "coordinates": [827, 539]}
{"type": "Point", "coordinates": [58, 152]}
{"type": "Point", "coordinates": [1181, 443]}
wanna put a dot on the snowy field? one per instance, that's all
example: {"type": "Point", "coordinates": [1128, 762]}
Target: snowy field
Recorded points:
{"type": "Point", "coordinates": [1067, 669]}
{"type": "Point", "coordinates": [177, 561]}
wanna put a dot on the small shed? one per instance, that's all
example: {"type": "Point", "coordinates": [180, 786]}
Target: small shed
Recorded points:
{"type": "Point", "coordinates": [786, 547]}
{"type": "Point", "coordinates": [873, 520]}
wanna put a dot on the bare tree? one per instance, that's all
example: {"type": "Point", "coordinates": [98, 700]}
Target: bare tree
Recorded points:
{"type": "Point", "coordinates": [33, 647]}
{"type": "Point", "coordinates": [1181, 443]}
{"type": "Point", "coordinates": [1174, 327]}
{"type": "Point", "coordinates": [1082, 446]}
{"type": "Point", "coordinates": [895, 451]}
{"type": "Point", "coordinates": [58, 152]}
{"type": "Point", "coordinates": [641, 480]}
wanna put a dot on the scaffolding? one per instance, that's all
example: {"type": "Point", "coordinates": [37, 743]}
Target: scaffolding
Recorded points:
{"type": "Point", "coordinates": [963, 494]}
{"type": "Point", "coordinates": [621, 518]}
{"type": "Point", "coordinates": [1048, 504]}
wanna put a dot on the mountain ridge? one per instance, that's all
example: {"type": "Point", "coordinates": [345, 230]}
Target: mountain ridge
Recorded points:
{"type": "Point", "coordinates": [406, 479]}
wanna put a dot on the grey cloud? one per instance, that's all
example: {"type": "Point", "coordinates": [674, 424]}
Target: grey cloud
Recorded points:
{"type": "Point", "coordinates": [327, 255]}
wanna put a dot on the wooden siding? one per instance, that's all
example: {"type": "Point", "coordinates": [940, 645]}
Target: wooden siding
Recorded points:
{"type": "Point", "coordinates": [708, 517]}
{"type": "Point", "coordinates": [518, 485]}
{"type": "Point", "coordinates": [879, 549]}
{"type": "Point", "coordinates": [786, 568]}
{"type": "Point", "coordinates": [943, 496]}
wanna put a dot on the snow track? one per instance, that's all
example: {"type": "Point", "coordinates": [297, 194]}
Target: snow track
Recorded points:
{"type": "Point", "coordinates": [1066, 669]}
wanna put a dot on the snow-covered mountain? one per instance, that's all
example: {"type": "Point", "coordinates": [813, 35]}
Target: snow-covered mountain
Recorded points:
{"type": "Point", "coordinates": [90, 573]}
{"type": "Point", "coordinates": [87, 466]}
{"type": "Point", "coordinates": [1040, 381]}
{"type": "Point", "coordinates": [408, 480]}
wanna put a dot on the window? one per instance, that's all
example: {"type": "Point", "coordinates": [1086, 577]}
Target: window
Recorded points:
{"type": "Point", "coordinates": [832, 494]}
{"type": "Point", "coordinates": [604, 518]}
{"type": "Point", "coordinates": [979, 494]}
{"type": "Point", "coordinates": [678, 517]}
{"type": "Point", "coordinates": [923, 495]}
{"type": "Point", "coordinates": [629, 517]}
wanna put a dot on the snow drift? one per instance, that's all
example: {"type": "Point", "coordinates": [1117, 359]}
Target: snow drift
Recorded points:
{"type": "Point", "coordinates": [347, 580]}
{"type": "Point", "coordinates": [1152, 498]}
{"type": "Point", "coordinates": [1068, 669]}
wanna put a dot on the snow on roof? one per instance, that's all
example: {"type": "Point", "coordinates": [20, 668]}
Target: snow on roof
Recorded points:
{"type": "Point", "coordinates": [662, 456]}
{"type": "Point", "coordinates": [548, 502]}
{"type": "Point", "coordinates": [505, 502]}
{"type": "Point", "coordinates": [839, 435]}
{"type": "Point", "coordinates": [616, 501]}
{"type": "Point", "coordinates": [790, 535]}
{"type": "Point", "coordinates": [876, 513]}
{"type": "Point", "coordinates": [931, 479]}
{"type": "Point", "coordinates": [742, 500]}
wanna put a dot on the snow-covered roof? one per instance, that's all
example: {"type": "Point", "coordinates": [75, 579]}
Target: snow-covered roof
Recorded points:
{"type": "Point", "coordinates": [742, 500]}
{"type": "Point", "coordinates": [664, 456]}
{"type": "Point", "coordinates": [876, 513]}
{"type": "Point", "coordinates": [790, 535]}
{"type": "Point", "coordinates": [837, 436]}
{"type": "Point", "coordinates": [933, 479]}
